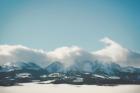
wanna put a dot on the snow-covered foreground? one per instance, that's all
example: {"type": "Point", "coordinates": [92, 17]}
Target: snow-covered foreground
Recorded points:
{"type": "Point", "coordinates": [65, 88]}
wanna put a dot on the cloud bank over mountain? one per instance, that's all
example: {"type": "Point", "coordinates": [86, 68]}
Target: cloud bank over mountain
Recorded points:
{"type": "Point", "coordinates": [116, 53]}
{"type": "Point", "coordinates": [69, 55]}
{"type": "Point", "coordinates": [113, 52]}
{"type": "Point", "coordinates": [19, 53]}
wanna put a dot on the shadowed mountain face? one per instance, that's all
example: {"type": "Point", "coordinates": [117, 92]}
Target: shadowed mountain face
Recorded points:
{"type": "Point", "coordinates": [28, 65]}
{"type": "Point", "coordinates": [55, 67]}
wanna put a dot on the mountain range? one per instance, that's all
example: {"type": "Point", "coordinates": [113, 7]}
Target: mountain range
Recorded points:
{"type": "Point", "coordinates": [111, 61]}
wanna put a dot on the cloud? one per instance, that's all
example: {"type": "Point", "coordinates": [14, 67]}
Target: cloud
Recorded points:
{"type": "Point", "coordinates": [133, 59]}
{"type": "Point", "coordinates": [19, 53]}
{"type": "Point", "coordinates": [69, 55]}
{"type": "Point", "coordinates": [116, 53]}
{"type": "Point", "coordinates": [113, 52]}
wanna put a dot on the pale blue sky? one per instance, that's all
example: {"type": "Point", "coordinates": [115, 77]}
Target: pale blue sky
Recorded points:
{"type": "Point", "coordinates": [49, 24]}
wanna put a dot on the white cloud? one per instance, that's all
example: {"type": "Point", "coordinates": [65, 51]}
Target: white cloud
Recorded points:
{"type": "Point", "coordinates": [113, 52]}
{"type": "Point", "coordinates": [69, 55]}
{"type": "Point", "coordinates": [116, 53]}
{"type": "Point", "coordinates": [19, 53]}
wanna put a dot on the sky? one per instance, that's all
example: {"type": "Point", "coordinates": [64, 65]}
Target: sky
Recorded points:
{"type": "Point", "coordinates": [49, 24]}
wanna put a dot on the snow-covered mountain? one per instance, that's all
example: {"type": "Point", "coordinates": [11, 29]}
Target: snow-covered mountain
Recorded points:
{"type": "Point", "coordinates": [55, 67]}
{"type": "Point", "coordinates": [109, 69]}
{"type": "Point", "coordinates": [85, 70]}
{"type": "Point", "coordinates": [111, 61]}
{"type": "Point", "coordinates": [95, 67]}
{"type": "Point", "coordinates": [28, 65]}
